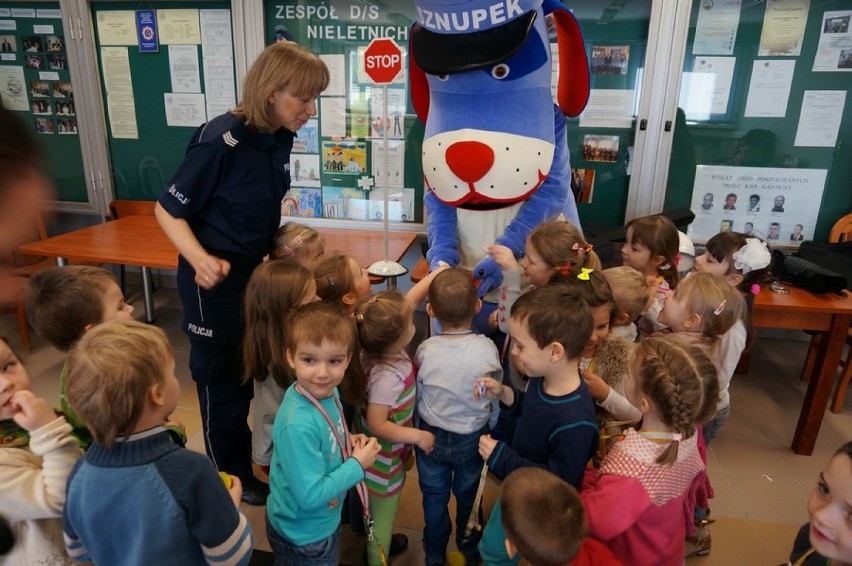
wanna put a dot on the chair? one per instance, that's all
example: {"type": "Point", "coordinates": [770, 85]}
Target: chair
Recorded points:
{"type": "Point", "coordinates": [17, 308]}
{"type": "Point", "coordinates": [840, 232]}
{"type": "Point", "coordinates": [122, 208]}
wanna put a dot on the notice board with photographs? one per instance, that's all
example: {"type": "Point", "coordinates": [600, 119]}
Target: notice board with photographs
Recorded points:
{"type": "Point", "coordinates": [35, 84]}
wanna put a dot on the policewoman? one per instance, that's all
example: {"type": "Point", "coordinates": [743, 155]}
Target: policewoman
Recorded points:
{"type": "Point", "coordinates": [221, 210]}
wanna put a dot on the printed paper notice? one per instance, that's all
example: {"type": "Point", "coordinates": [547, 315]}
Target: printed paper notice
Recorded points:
{"type": "Point", "coordinates": [834, 52]}
{"type": "Point", "coordinates": [184, 109]}
{"type": "Point", "coordinates": [333, 116]}
{"type": "Point", "coordinates": [336, 69]}
{"type": "Point", "coordinates": [396, 113]}
{"type": "Point", "coordinates": [178, 27]}
{"type": "Point", "coordinates": [394, 173]}
{"type": "Point", "coordinates": [820, 118]}
{"type": "Point", "coordinates": [121, 107]}
{"type": "Point", "coordinates": [769, 89]}
{"type": "Point", "coordinates": [13, 90]}
{"type": "Point", "coordinates": [783, 27]}
{"type": "Point", "coordinates": [216, 33]}
{"type": "Point", "coordinates": [183, 67]}
{"type": "Point", "coordinates": [722, 69]}
{"type": "Point", "coordinates": [608, 108]}
{"type": "Point", "coordinates": [117, 27]}
{"type": "Point", "coordinates": [716, 30]}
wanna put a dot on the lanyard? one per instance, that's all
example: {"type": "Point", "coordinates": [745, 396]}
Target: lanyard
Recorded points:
{"type": "Point", "coordinates": [345, 444]}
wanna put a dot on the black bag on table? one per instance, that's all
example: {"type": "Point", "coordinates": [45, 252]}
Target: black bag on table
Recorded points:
{"type": "Point", "coordinates": [807, 274]}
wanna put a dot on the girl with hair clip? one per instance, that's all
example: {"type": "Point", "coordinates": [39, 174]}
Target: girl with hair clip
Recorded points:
{"type": "Point", "coordinates": [553, 246]}
{"type": "Point", "coordinates": [652, 249]}
{"type": "Point", "coordinates": [275, 289]}
{"type": "Point", "coordinates": [385, 329]}
{"type": "Point", "coordinates": [300, 242]}
{"type": "Point", "coordinates": [341, 279]}
{"type": "Point", "coordinates": [637, 501]}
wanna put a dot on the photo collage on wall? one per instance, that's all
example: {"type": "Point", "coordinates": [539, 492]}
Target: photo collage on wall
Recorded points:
{"type": "Point", "coordinates": [34, 57]}
{"type": "Point", "coordinates": [337, 165]}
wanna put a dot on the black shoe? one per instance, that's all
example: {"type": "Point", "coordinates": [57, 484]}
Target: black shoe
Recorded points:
{"type": "Point", "coordinates": [255, 492]}
{"type": "Point", "coordinates": [398, 544]}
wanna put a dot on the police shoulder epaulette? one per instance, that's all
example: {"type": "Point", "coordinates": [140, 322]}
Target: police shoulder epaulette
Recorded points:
{"type": "Point", "coordinates": [229, 139]}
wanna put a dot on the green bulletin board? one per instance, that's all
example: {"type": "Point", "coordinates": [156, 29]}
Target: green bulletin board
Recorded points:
{"type": "Point", "coordinates": [36, 84]}
{"type": "Point", "coordinates": [142, 166]}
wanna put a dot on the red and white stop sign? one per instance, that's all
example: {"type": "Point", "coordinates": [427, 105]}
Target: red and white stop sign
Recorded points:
{"type": "Point", "coordinates": [382, 60]}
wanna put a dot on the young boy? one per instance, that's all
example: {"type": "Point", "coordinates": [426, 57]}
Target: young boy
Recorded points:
{"type": "Point", "coordinates": [314, 459]}
{"type": "Point", "coordinates": [545, 523]}
{"type": "Point", "coordinates": [63, 303]}
{"type": "Point", "coordinates": [449, 365]}
{"type": "Point", "coordinates": [136, 497]}
{"type": "Point", "coordinates": [556, 427]}
{"type": "Point", "coordinates": [632, 295]}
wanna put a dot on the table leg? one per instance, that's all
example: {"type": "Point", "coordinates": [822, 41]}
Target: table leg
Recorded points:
{"type": "Point", "coordinates": [147, 295]}
{"type": "Point", "coordinates": [61, 261]}
{"type": "Point", "coordinates": [819, 387]}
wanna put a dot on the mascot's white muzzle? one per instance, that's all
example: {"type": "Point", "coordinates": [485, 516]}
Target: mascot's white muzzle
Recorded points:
{"type": "Point", "coordinates": [477, 167]}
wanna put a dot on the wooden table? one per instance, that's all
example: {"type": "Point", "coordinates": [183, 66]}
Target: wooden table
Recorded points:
{"type": "Point", "coordinates": [139, 241]}
{"type": "Point", "coordinates": [802, 310]}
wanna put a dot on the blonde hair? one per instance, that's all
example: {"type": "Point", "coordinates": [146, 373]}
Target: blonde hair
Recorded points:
{"type": "Point", "coordinates": [63, 301]}
{"type": "Point", "coordinates": [629, 290]}
{"type": "Point", "coordinates": [294, 240]}
{"type": "Point", "coordinates": [682, 383]}
{"type": "Point", "coordinates": [542, 516]}
{"type": "Point", "coordinates": [718, 304]}
{"type": "Point", "coordinates": [560, 243]}
{"type": "Point", "coordinates": [334, 278]}
{"type": "Point", "coordinates": [452, 297]}
{"type": "Point", "coordinates": [381, 319]}
{"type": "Point", "coordinates": [111, 371]}
{"type": "Point", "coordinates": [659, 235]}
{"type": "Point", "coordinates": [283, 67]}
{"type": "Point", "coordinates": [276, 288]}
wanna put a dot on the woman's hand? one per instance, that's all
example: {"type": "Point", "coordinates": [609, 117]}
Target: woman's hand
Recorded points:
{"type": "Point", "coordinates": [211, 271]}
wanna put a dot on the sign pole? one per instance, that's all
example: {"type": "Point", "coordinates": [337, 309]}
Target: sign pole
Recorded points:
{"type": "Point", "coordinates": [386, 182]}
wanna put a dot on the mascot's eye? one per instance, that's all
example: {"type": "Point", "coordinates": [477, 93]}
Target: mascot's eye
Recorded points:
{"type": "Point", "coordinates": [443, 77]}
{"type": "Point", "coordinates": [500, 71]}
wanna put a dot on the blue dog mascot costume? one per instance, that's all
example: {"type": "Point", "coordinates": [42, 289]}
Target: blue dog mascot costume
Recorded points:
{"type": "Point", "coordinates": [495, 153]}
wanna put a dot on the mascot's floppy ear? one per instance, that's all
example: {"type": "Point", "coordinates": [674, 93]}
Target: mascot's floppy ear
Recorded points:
{"type": "Point", "coordinates": [417, 81]}
{"type": "Point", "coordinates": [574, 82]}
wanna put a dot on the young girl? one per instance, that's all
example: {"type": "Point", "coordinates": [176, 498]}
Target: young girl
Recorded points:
{"type": "Point", "coordinates": [827, 538]}
{"type": "Point", "coordinates": [553, 246]}
{"type": "Point", "coordinates": [742, 262]}
{"type": "Point", "coordinates": [385, 328]}
{"type": "Point", "coordinates": [340, 279]}
{"type": "Point", "coordinates": [37, 453]}
{"type": "Point", "coordinates": [300, 242]}
{"type": "Point", "coordinates": [652, 249]}
{"type": "Point", "coordinates": [314, 459]}
{"type": "Point", "coordinates": [635, 503]}
{"type": "Point", "coordinates": [275, 289]}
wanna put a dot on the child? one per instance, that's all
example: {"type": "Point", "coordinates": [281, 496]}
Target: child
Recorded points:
{"type": "Point", "coordinates": [449, 364]}
{"type": "Point", "coordinates": [63, 304]}
{"type": "Point", "coordinates": [275, 289]}
{"type": "Point", "coordinates": [636, 502]}
{"type": "Point", "coordinates": [37, 453]}
{"type": "Point", "coordinates": [300, 242]}
{"type": "Point", "coordinates": [556, 429]}
{"type": "Point", "coordinates": [341, 280]}
{"type": "Point", "coordinates": [545, 523]}
{"type": "Point", "coordinates": [385, 328]}
{"type": "Point", "coordinates": [550, 247]}
{"type": "Point", "coordinates": [652, 249]}
{"type": "Point", "coordinates": [121, 381]}
{"type": "Point", "coordinates": [314, 459]}
{"type": "Point", "coordinates": [827, 538]}
{"type": "Point", "coordinates": [632, 297]}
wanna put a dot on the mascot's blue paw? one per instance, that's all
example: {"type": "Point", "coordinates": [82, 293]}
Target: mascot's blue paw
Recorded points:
{"type": "Point", "coordinates": [488, 273]}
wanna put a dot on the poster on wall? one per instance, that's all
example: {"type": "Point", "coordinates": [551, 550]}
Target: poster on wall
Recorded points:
{"type": "Point", "coordinates": [776, 204]}
{"type": "Point", "coordinates": [834, 52]}
{"type": "Point", "coordinates": [783, 27]}
{"type": "Point", "coordinates": [716, 30]}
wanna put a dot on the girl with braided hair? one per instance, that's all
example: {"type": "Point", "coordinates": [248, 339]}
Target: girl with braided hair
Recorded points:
{"type": "Point", "coordinates": [638, 501]}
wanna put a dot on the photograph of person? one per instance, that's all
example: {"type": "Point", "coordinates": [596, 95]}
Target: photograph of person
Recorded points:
{"type": "Point", "coordinates": [34, 62]}
{"type": "Point", "coordinates": [32, 44]}
{"type": "Point", "coordinates": [797, 235]}
{"type": "Point", "coordinates": [707, 202]}
{"type": "Point", "coordinates": [748, 228]}
{"type": "Point", "coordinates": [774, 231]}
{"type": "Point", "coordinates": [778, 205]}
{"type": "Point", "coordinates": [55, 43]}
{"type": "Point", "coordinates": [8, 44]}
{"type": "Point", "coordinates": [754, 203]}
{"type": "Point", "coordinates": [727, 225]}
{"type": "Point", "coordinates": [730, 202]}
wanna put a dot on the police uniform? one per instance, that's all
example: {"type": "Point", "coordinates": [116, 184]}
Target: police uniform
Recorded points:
{"type": "Point", "coordinates": [229, 189]}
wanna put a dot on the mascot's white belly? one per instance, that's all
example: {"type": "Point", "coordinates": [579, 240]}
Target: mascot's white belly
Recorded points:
{"type": "Point", "coordinates": [497, 167]}
{"type": "Point", "coordinates": [479, 228]}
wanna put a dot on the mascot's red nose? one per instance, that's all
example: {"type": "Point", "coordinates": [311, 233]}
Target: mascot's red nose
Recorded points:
{"type": "Point", "coordinates": [469, 160]}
